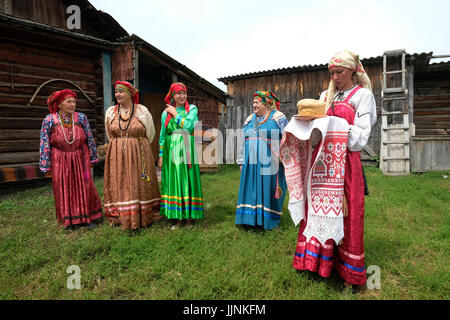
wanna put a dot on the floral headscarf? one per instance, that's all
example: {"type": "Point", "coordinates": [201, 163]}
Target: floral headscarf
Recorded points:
{"type": "Point", "coordinates": [268, 98]}
{"type": "Point", "coordinates": [128, 88]}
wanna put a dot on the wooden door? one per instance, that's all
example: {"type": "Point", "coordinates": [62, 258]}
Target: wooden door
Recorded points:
{"type": "Point", "coordinates": [155, 104]}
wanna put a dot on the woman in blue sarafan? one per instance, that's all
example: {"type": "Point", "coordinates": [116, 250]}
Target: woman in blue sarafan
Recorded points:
{"type": "Point", "coordinates": [262, 186]}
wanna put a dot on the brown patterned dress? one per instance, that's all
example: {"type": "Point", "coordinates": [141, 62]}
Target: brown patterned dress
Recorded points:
{"type": "Point", "coordinates": [130, 200]}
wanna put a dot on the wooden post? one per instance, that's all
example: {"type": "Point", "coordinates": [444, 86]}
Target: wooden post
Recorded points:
{"type": "Point", "coordinates": [107, 91]}
{"type": "Point", "coordinates": [238, 117]}
{"type": "Point", "coordinates": [136, 67]}
{"type": "Point", "coordinates": [412, 131]}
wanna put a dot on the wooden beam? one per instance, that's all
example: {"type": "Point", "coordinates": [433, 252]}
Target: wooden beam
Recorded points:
{"type": "Point", "coordinates": [18, 157]}
{"type": "Point", "coordinates": [28, 123]}
{"type": "Point", "coordinates": [19, 145]}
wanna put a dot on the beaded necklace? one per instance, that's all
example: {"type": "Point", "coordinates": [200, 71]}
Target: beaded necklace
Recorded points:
{"type": "Point", "coordinates": [128, 125]}
{"type": "Point", "coordinates": [63, 122]}
{"type": "Point", "coordinates": [67, 126]}
{"type": "Point", "coordinates": [267, 117]}
{"type": "Point", "coordinates": [129, 117]}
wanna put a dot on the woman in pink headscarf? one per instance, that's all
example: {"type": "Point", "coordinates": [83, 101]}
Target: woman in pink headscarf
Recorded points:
{"type": "Point", "coordinates": [349, 96]}
{"type": "Point", "coordinates": [68, 150]}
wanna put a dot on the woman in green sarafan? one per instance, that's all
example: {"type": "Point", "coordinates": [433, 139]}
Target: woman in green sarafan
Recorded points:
{"type": "Point", "coordinates": [181, 188]}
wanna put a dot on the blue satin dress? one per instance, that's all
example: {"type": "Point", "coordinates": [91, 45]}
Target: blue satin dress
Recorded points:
{"type": "Point", "coordinates": [261, 172]}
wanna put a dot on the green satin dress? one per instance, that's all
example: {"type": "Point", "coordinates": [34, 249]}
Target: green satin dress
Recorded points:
{"type": "Point", "coordinates": [181, 188]}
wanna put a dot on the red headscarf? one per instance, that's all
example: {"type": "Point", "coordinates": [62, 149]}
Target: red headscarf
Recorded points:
{"type": "Point", "coordinates": [174, 88]}
{"type": "Point", "coordinates": [55, 99]}
{"type": "Point", "coordinates": [129, 88]}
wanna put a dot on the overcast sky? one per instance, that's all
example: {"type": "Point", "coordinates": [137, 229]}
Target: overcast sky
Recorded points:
{"type": "Point", "coordinates": [217, 38]}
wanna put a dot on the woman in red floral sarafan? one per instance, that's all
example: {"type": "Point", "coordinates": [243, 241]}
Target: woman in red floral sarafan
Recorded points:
{"type": "Point", "coordinates": [68, 151]}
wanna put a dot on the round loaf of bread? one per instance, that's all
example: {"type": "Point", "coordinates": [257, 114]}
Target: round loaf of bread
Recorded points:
{"type": "Point", "coordinates": [311, 107]}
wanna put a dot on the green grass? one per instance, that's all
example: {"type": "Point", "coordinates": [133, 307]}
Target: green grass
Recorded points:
{"type": "Point", "coordinates": [406, 234]}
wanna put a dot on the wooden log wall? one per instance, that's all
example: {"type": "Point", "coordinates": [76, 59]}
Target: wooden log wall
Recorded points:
{"type": "Point", "coordinates": [23, 68]}
{"type": "Point", "coordinates": [432, 100]}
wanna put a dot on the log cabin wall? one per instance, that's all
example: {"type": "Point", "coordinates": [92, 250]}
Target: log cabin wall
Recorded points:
{"type": "Point", "coordinates": [37, 46]}
{"type": "Point", "coordinates": [28, 59]}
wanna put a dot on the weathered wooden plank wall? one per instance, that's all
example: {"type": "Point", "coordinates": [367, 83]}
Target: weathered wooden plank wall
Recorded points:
{"type": "Point", "coordinates": [291, 87]}
{"type": "Point", "coordinates": [50, 12]}
{"type": "Point", "coordinates": [53, 13]}
{"type": "Point", "coordinates": [431, 143]}
{"type": "Point", "coordinates": [432, 100]}
{"type": "Point", "coordinates": [430, 153]}
{"type": "Point", "coordinates": [123, 63]}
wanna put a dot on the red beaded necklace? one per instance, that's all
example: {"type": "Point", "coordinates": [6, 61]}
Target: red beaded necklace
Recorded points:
{"type": "Point", "coordinates": [63, 120]}
{"type": "Point", "coordinates": [267, 117]}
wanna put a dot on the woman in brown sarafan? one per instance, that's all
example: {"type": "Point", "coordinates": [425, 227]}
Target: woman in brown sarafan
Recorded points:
{"type": "Point", "coordinates": [131, 191]}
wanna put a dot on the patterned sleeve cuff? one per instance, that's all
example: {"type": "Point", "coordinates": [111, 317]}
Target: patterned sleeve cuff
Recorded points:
{"type": "Point", "coordinates": [45, 169]}
{"type": "Point", "coordinates": [161, 149]}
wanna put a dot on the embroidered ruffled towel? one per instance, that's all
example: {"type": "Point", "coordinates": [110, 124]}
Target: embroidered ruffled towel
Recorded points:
{"type": "Point", "coordinates": [316, 176]}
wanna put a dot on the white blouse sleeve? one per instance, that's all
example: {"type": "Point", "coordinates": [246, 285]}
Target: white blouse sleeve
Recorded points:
{"type": "Point", "coordinates": [109, 116]}
{"type": "Point", "coordinates": [148, 123]}
{"type": "Point", "coordinates": [365, 118]}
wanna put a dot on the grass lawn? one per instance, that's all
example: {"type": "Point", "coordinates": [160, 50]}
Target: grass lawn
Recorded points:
{"type": "Point", "coordinates": [407, 230]}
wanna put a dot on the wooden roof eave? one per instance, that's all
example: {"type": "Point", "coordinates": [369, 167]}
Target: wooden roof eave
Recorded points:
{"type": "Point", "coordinates": [416, 59]}
{"type": "Point", "coordinates": [57, 32]}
